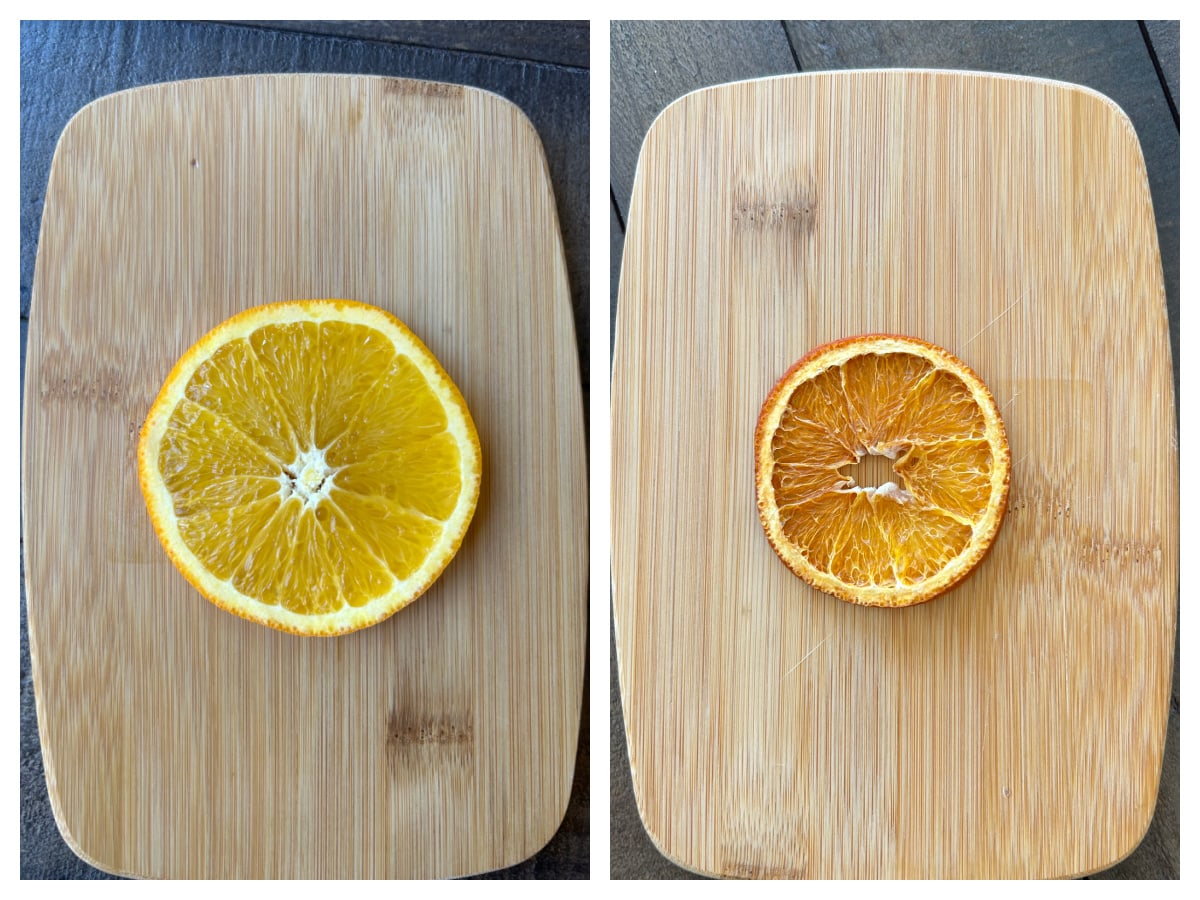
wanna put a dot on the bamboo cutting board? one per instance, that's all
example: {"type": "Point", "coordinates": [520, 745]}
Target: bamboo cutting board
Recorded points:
{"type": "Point", "coordinates": [1013, 727]}
{"type": "Point", "coordinates": [179, 740]}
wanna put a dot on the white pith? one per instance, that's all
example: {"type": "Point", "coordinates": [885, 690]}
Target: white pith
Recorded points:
{"type": "Point", "coordinates": [309, 479]}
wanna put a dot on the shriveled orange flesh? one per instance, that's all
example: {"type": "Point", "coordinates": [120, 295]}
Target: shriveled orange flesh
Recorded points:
{"type": "Point", "coordinates": [903, 541]}
{"type": "Point", "coordinates": [311, 467]}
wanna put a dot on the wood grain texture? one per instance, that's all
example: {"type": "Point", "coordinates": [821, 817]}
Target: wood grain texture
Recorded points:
{"type": "Point", "coordinates": [1110, 57]}
{"type": "Point", "coordinates": [1016, 726]}
{"type": "Point", "coordinates": [674, 58]}
{"type": "Point", "coordinates": [633, 853]}
{"type": "Point", "coordinates": [65, 65]}
{"type": "Point", "coordinates": [179, 740]}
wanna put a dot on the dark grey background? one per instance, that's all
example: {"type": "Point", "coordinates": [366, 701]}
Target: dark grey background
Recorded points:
{"type": "Point", "coordinates": [1134, 63]}
{"type": "Point", "coordinates": [542, 67]}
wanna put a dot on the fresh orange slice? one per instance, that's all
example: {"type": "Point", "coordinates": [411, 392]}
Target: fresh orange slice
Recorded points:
{"type": "Point", "coordinates": [903, 541]}
{"type": "Point", "coordinates": [310, 466]}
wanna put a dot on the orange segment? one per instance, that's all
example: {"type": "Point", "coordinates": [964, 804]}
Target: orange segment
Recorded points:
{"type": "Point", "coordinates": [231, 384]}
{"type": "Point", "coordinates": [954, 476]}
{"type": "Point", "coordinates": [338, 541]}
{"type": "Point", "coordinates": [352, 361]}
{"type": "Point", "coordinates": [822, 405]}
{"type": "Point", "coordinates": [400, 537]}
{"type": "Point", "coordinates": [863, 557]}
{"type": "Point", "coordinates": [310, 466]}
{"type": "Point", "coordinates": [217, 535]}
{"type": "Point", "coordinates": [901, 542]}
{"type": "Point", "coordinates": [920, 541]}
{"type": "Point", "coordinates": [398, 411]}
{"type": "Point", "coordinates": [878, 389]}
{"type": "Point", "coordinates": [290, 359]}
{"type": "Point", "coordinates": [806, 525]}
{"type": "Point", "coordinates": [940, 406]}
{"type": "Point", "coordinates": [425, 477]}
{"type": "Point", "coordinates": [193, 433]}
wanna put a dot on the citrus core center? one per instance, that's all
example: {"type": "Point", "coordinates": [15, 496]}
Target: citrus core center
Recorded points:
{"type": "Point", "coordinates": [309, 478]}
{"type": "Point", "coordinates": [873, 475]}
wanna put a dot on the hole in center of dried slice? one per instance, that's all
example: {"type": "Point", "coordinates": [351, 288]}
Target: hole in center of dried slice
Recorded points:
{"type": "Point", "coordinates": [308, 479]}
{"type": "Point", "coordinates": [874, 473]}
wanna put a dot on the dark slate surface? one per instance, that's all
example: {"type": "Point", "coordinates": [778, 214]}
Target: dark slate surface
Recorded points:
{"type": "Point", "coordinates": [66, 65]}
{"type": "Point", "coordinates": [655, 63]}
{"type": "Point", "coordinates": [1164, 43]}
{"type": "Point", "coordinates": [616, 237]}
{"type": "Point", "coordinates": [565, 43]}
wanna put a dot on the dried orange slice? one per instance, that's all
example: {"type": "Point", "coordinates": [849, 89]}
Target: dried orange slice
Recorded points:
{"type": "Point", "coordinates": [310, 466]}
{"type": "Point", "coordinates": [903, 541]}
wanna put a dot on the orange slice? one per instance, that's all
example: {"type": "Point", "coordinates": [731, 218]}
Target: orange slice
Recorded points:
{"type": "Point", "coordinates": [903, 541]}
{"type": "Point", "coordinates": [310, 466]}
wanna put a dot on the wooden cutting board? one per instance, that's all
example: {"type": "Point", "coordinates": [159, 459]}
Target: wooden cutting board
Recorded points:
{"type": "Point", "coordinates": [1015, 726]}
{"type": "Point", "coordinates": [180, 741]}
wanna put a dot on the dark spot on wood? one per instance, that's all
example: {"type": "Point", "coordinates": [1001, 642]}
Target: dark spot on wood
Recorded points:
{"type": "Point", "coordinates": [1045, 512]}
{"type": "Point", "coordinates": [1040, 500]}
{"type": "Point", "coordinates": [1097, 551]}
{"type": "Point", "coordinates": [406, 87]}
{"type": "Point", "coordinates": [792, 210]}
{"type": "Point", "coordinates": [413, 737]}
{"type": "Point", "coordinates": [133, 435]}
{"type": "Point", "coordinates": [1049, 507]}
{"type": "Point", "coordinates": [748, 870]}
{"type": "Point", "coordinates": [764, 849]}
{"type": "Point", "coordinates": [59, 381]}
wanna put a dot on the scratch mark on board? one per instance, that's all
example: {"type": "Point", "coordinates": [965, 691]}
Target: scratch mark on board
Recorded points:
{"type": "Point", "coordinates": [1003, 313]}
{"type": "Point", "coordinates": [803, 658]}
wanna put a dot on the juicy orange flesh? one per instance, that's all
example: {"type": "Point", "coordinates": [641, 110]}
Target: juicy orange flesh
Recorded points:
{"type": "Point", "coordinates": [897, 405]}
{"type": "Point", "coordinates": [310, 465]}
